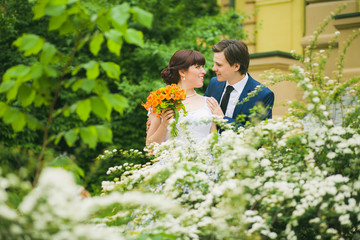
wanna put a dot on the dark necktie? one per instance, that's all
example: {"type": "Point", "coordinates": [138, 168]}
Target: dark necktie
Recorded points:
{"type": "Point", "coordinates": [226, 97]}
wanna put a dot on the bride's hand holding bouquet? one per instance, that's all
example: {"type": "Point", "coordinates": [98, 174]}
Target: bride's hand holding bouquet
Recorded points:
{"type": "Point", "coordinates": [165, 98]}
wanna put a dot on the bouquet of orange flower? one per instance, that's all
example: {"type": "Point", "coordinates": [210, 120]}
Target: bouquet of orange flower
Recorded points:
{"type": "Point", "coordinates": [170, 96]}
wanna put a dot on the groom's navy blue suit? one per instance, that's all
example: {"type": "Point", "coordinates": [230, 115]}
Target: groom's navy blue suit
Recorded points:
{"type": "Point", "coordinates": [265, 97]}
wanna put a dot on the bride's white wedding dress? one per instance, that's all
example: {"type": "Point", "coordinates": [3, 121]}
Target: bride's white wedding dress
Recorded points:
{"type": "Point", "coordinates": [197, 123]}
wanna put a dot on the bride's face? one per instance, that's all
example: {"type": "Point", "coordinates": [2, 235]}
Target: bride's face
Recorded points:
{"type": "Point", "coordinates": [194, 76]}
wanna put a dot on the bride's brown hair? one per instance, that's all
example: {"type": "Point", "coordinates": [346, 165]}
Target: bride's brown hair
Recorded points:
{"type": "Point", "coordinates": [181, 60]}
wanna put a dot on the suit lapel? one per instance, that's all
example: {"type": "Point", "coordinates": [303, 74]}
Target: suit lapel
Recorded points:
{"type": "Point", "coordinates": [248, 88]}
{"type": "Point", "coordinates": [218, 93]}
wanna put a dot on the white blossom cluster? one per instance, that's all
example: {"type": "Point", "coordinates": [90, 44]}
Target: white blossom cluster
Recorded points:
{"type": "Point", "coordinates": [278, 180]}
{"type": "Point", "coordinates": [246, 183]}
{"type": "Point", "coordinates": [197, 176]}
{"type": "Point", "coordinates": [315, 184]}
{"type": "Point", "coordinates": [55, 210]}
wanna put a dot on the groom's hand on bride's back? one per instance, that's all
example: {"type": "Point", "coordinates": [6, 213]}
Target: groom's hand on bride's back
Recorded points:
{"type": "Point", "coordinates": [214, 107]}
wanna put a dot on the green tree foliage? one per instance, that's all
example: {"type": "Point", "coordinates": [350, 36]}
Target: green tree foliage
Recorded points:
{"type": "Point", "coordinates": [38, 84]}
{"type": "Point", "coordinates": [176, 25]}
{"type": "Point", "coordinates": [171, 17]}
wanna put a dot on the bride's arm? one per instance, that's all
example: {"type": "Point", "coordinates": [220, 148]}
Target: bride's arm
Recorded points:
{"type": "Point", "coordinates": [158, 129]}
{"type": "Point", "coordinates": [213, 127]}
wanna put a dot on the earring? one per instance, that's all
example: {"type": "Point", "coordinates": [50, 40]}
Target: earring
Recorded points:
{"type": "Point", "coordinates": [184, 78]}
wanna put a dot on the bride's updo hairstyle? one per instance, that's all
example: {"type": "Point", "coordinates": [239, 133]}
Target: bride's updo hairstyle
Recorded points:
{"type": "Point", "coordinates": [181, 60]}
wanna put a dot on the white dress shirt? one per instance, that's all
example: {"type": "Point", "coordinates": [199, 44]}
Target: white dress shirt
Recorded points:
{"type": "Point", "coordinates": [234, 95]}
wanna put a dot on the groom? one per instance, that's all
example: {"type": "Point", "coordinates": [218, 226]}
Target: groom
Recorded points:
{"type": "Point", "coordinates": [232, 84]}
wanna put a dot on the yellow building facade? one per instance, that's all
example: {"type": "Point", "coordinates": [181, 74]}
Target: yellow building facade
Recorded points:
{"type": "Point", "coordinates": [276, 27]}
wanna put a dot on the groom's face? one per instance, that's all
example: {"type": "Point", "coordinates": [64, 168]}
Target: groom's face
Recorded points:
{"type": "Point", "coordinates": [222, 68]}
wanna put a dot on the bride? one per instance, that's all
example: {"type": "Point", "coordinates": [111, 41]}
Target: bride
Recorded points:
{"type": "Point", "coordinates": [185, 69]}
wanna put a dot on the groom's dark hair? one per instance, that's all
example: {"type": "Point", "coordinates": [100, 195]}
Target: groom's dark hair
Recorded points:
{"type": "Point", "coordinates": [235, 51]}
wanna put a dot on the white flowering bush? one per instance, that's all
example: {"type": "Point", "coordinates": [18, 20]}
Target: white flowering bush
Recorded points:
{"type": "Point", "coordinates": [9, 224]}
{"type": "Point", "coordinates": [291, 178]}
{"type": "Point", "coordinates": [54, 209]}
{"type": "Point", "coordinates": [273, 180]}
{"type": "Point", "coordinates": [203, 178]}
{"type": "Point", "coordinates": [302, 187]}
{"type": "Point", "coordinates": [116, 161]}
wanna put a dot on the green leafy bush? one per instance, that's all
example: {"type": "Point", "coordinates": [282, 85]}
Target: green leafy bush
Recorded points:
{"type": "Point", "coordinates": [38, 84]}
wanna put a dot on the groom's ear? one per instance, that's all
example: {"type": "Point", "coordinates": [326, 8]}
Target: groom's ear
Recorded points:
{"type": "Point", "coordinates": [236, 67]}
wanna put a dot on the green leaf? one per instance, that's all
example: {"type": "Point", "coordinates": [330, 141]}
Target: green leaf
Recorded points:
{"type": "Point", "coordinates": [92, 69]}
{"type": "Point", "coordinates": [112, 69]}
{"type": "Point", "coordinates": [76, 70]}
{"type": "Point", "coordinates": [58, 138]}
{"type": "Point", "coordinates": [83, 109]}
{"type": "Point", "coordinates": [74, 9]}
{"type": "Point", "coordinates": [89, 136]}
{"type": "Point", "coordinates": [108, 108]}
{"type": "Point", "coordinates": [50, 71]}
{"type": "Point", "coordinates": [88, 85]}
{"type": "Point", "coordinates": [99, 107]}
{"type": "Point", "coordinates": [68, 164]}
{"type": "Point", "coordinates": [80, 171]}
{"type": "Point", "coordinates": [143, 17]}
{"type": "Point", "coordinates": [47, 53]}
{"type": "Point", "coordinates": [113, 47]}
{"type": "Point", "coordinates": [101, 87]}
{"type": "Point", "coordinates": [54, 10]}
{"type": "Point", "coordinates": [39, 9]}
{"type": "Point", "coordinates": [6, 86]}
{"type": "Point", "coordinates": [118, 102]}
{"type": "Point", "coordinates": [15, 72]}
{"type": "Point", "coordinates": [73, 108]}
{"type": "Point", "coordinates": [26, 95]}
{"type": "Point", "coordinates": [59, 2]}
{"type": "Point", "coordinates": [95, 44]}
{"type": "Point", "coordinates": [77, 85]}
{"type": "Point", "coordinates": [39, 101]}
{"type": "Point", "coordinates": [67, 27]}
{"type": "Point", "coordinates": [57, 21]}
{"type": "Point", "coordinates": [36, 71]}
{"type": "Point", "coordinates": [134, 37]}
{"type": "Point", "coordinates": [32, 122]}
{"type": "Point", "coordinates": [10, 115]}
{"type": "Point", "coordinates": [104, 133]}
{"type": "Point", "coordinates": [120, 14]}
{"type": "Point", "coordinates": [36, 49]}
{"type": "Point", "coordinates": [12, 92]}
{"type": "Point", "coordinates": [3, 108]}
{"type": "Point", "coordinates": [66, 112]}
{"type": "Point", "coordinates": [71, 137]}
{"type": "Point", "coordinates": [115, 35]}
{"type": "Point", "coordinates": [19, 123]}
{"type": "Point", "coordinates": [82, 43]}
{"type": "Point", "coordinates": [29, 44]}
{"type": "Point", "coordinates": [103, 23]}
